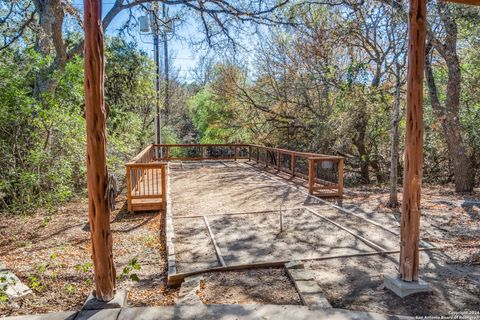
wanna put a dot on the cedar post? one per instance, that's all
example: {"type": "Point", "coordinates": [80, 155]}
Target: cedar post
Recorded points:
{"type": "Point", "coordinates": [311, 175]}
{"type": "Point", "coordinates": [278, 160]}
{"type": "Point", "coordinates": [412, 181]}
{"type": "Point", "coordinates": [164, 186]}
{"type": "Point", "coordinates": [97, 172]}
{"type": "Point", "coordinates": [341, 167]}
{"type": "Point", "coordinates": [129, 187]}
{"type": "Point", "coordinates": [293, 164]}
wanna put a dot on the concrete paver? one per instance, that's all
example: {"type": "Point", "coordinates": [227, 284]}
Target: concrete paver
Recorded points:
{"type": "Point", "coordinates": [215, 312]}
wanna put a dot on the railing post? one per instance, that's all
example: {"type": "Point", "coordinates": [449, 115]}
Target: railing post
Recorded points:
{"type": "Point", "coordinates": [202, 152]}
{"type": "Point", "coordinates": [267, 155]}
{"type": "Point", "coordinates": [258, 155]}
{"type": "Point", "coordinates": [341, 166]}
{"type": "Point", "coordinates": [278, 160]}
{"type": "Point", "coordinates": [249, 153]}
{"type": "Point", "coordinates": [311, 175]}
{"type": "Point", "coordinates": [235, 153]}
{"type": "Point", "coordinates": [129, 188]}
{"type": "Point", "coordinates": [164, 187]}
{"type": "Point", "coordinates": [293, 164]}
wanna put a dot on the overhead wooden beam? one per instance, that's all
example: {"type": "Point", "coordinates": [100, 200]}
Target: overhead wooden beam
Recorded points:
{"type": "Point", "coordinates": [469, 2]}
{"type": "Point", "coordinates": [97, 173]}
{"type": "Point", "coordinates": [413, 161]}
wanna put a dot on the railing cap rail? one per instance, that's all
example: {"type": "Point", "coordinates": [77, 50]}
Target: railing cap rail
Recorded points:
{"type": "Point", "coordinates": [146, 165]}
{"type": "Point", "coordinates": [141, 154]}
{"type": "Point", "coordinates": [201, 145]}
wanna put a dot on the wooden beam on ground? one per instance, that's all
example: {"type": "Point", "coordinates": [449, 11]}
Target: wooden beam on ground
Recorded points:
{"type": "Point", "coordinates": [217, 249]}
{"type": "Point", "coordinates": [97, 172]}
{"type": "Point", "coordinates": [297, 187]}
{"type": "Point", "coordinates": [413, 163]}
{"type": "Point", "coordinates": [236, 213]}
{"type": "Point", "coordinates": [364, 240]}
{"type": "Point", "coordinates": [176, 279]}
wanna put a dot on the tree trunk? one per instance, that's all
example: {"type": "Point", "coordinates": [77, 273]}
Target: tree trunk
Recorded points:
{"type": "Point", "coordinates": [449, 114]}
{"type": "Point", "coordinates": [97, 173]}
{"type": "Point", "coordinates": [359, 142]}
{"type": "Point", "coordinates": [393, 200]}
{"type": "Point", "coordinates": [412, 181]}
{"type": "Point", "coordinates": [49, 39]}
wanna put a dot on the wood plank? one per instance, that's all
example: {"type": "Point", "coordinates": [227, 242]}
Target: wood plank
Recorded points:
{"type": "Point", "coordinates": [217, 249]}
{"type": "Point", "coordinates": [366, 241]}
{"type": "Point", "coordinates": [236, 213]}
{"type": "Point", "coordinates": [177, 278]}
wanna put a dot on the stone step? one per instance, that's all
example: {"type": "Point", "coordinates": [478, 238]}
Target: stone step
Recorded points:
{"type": "Point", "coordinates": [214, 312]}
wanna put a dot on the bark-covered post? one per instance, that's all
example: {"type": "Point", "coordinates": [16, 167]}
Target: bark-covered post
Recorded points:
{"type": "Point", "coordinates": [97, 173]}
{"type": "Point", "coordinates": [413, 166]}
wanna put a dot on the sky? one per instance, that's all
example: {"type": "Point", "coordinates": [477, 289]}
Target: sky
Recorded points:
{"type": "Point", "coordinates": [182, 57]}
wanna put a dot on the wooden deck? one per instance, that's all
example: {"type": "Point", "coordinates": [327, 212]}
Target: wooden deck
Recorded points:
{"type": "Point", "coordinates": [146, 173]}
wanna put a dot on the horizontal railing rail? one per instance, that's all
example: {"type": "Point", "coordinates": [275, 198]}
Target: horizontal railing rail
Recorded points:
{"type": "Point", "coordinates": [199, 152]}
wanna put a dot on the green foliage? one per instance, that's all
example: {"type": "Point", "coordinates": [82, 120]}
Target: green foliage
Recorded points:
{"type": "Point", "coordinates": [215, 119]}
{"type": "Point", "coordinates": [128, 270]}
{"type": "Point", "coordinates": [42, 138]}
{"type": "Point", "coordinates": [5, 282]}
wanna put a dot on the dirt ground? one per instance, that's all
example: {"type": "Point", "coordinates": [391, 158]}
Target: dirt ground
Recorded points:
{"type": "Point", "coordinates": [268, 286]}
{"type": "Point", "coordinates": [233, 206]}
{"type": "Point", "coordinates": [51, 251]}
{"type": "Point", "coordinates": [357, 284]}
{"type": "Point", "coordinates": [448, 220]}
{"type": "Point", "coordinates": [51, 254]}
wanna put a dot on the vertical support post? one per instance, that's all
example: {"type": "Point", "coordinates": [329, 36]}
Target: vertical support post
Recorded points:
{"type": "Point", "coordinates": [158, 124]}
{"type": "Point", "coordinates": [258, 155]}
{"type": "Point", "coordinates": [412, 181]}
{"type": "Point", "coordinates": [235, 153]}
{"type": "Point", "coordinates": [311, 175]}
{"type": "Point", "coordinates": [202, 153]}
{"type": "Point", "coordinates": [341, 169]}
{"type": "Point", "coordinates": [164, 187]}
{"type": "Point", "coordinates": [129, 187]}
{"type": "Point", "coordinates": [97, 172]}
{"type": "Point", "coordinates": [249, 153]}
{"type": "Point", "coordinates": [278, 160]}
{"type": "Point", "coordinates": [293, 164]}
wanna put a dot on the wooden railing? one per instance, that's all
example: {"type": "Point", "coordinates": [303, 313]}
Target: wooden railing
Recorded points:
{"type": "Point", "coordinates": [146, 182]}
{"type": "Point", "coordinates": [146, 173]}
{"type": "Point", "coordinates": [199, 152]}
{"type": "Point", "coordinates": [323, 173]}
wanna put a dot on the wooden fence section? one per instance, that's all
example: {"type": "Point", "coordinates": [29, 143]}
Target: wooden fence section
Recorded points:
{"type": "Point", "coordinates": [146, 173]}
{"type": "Point", "coordinates": [323, 173]}
{"type": "Point", "coordinates": [146, 182]}
{"type": "Point", "coordinates": [199, 152]}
